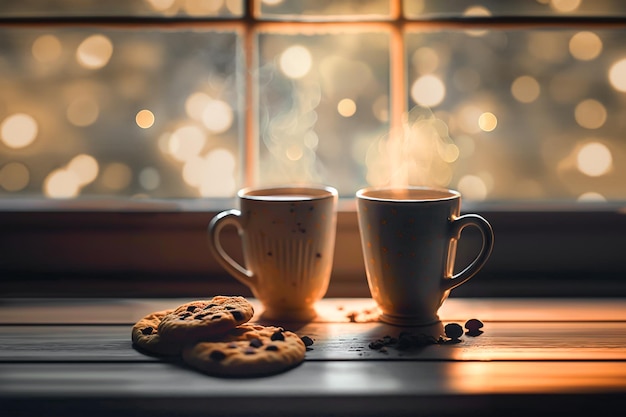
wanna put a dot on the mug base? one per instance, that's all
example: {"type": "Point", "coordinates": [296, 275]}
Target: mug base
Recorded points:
{"type": "Point", "coordinates": [408, 321]}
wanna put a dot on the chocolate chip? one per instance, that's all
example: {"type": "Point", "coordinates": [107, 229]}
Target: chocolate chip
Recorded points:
{"type": "Point", "coordinates": [277, 335]}
{"type": "Point", "coordinates": [229, 308]}
{"type": "Point", "coordinates": [453, 330]}
{"type": "Point", "coordinates": [250, 351]}
{"type": "Point", "coordinates": [210, 306]}
{"type": "Point", "coordinates": [231, 345]}
{"type": "Point", "coordinates": [237, 315]}
{"type": "Point", "coordinates": [217, 355]}
{"type": "Point", "coordinates": [307, 340]}
{"type": "Point", "coordinates": [200, 316]}
{"type": "Point", "coordinates": [216, 316]}
{"type": "Point", "coordinates": [148, 330]}
{"type": "Point", "coordinates": [473, 327]}
{"type": "Point", "coordinates": [256, 343]}
{"type": "Point", "coordinates": [192, 308]}
{"type": "Point", "coordinates": [184, 316]}
{"type": "Point", "coordinates": [272, 348]}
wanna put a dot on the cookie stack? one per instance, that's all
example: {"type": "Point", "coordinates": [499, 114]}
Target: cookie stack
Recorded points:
{"type": "Point", "coordinates": [214, 336]}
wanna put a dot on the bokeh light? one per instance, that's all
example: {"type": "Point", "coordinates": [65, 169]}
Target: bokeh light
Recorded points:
{"type": "Point", "coordinates": [116, 176]}
{"type": "Point", "coordinates": [346, 107]}
{"type": "Point", "coordinates": [18, 130]}
{"type": "Point", "coordinates": [144, 119]}
{"type": "Point", "coordinates": [14, 176]}
{"type": "Point", "coordinates": [47, 48]}
{"type": "Point", "coordinates": [217, 116]}
{"type": "Point", "coordinates": [525, 89]}
{"type": "Point", "coordinates": [487, 122]}
{"type": "Point", "coordinates": [296, 61]}
{"type": "Point", "coordinates": [585, 46]}
{"type": "Point", "coordinates": [617, 75]}
{"type": "Point", "coordinates": [83, 111]}
{"type": "Point", "coordinates": [594, 159]}
{"type": "Point", "coordinates": [590, 114]}
{"type": "Point", "coordinates": [428, 91]}
{"type": "Point", "coordinates": [94, 52]}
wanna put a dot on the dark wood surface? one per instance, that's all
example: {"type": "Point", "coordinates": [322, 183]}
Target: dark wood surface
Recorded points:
{"type": "Point", "coordinates": [535, 357]}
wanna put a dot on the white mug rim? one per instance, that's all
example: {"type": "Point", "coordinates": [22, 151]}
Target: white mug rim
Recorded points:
{"type": "Point", "coordinates": [446, 194]}
{"type": "Point", "coordinates": [313, 192]}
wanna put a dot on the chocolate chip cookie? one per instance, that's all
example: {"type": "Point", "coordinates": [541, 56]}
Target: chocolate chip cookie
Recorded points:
{"type": "Point", "coordinates": [145, 335]}
{"type": "Point", "coordinates": [246, 351]}
{"type": "Point", "coordinates": [205, 319]}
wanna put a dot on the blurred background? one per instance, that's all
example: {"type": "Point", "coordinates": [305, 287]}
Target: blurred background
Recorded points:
{"type": "Point", "coordinates": [149, 99]}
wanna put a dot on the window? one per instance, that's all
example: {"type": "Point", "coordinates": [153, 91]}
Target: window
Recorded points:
{"type": "Point", "coordinates": [124, 126]}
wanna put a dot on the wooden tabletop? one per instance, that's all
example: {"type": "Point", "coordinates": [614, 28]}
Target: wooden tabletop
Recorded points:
{"type": "Point", "coordinates": [536, 356]}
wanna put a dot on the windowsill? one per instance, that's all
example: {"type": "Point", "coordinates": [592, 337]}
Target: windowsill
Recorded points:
{"type": "Point", "coordinates": [110, 247]}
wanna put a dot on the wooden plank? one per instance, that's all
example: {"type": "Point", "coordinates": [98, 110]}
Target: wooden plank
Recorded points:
{"type": "Point", "coordinates": [317, 378]}
{"type": "Point", "coordinates": [341, 341]}
{"type": "Point", "coordinates": [127, 311]}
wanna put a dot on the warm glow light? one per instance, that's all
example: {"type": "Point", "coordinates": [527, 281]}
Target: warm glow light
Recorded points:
{"type": "Point", "coordinates": [18, 130]}
{"type": "Point", "coordinates": [195, 105]}
{"type": "Point", "coordinates": [144, 119]}
{"type": "Point", "coordinates": [205, 7]}
{"type": "Point", "coordinates": [428, 91]}
{"type": "Point", "coordinates": [186, 142]}
{"type": "Point", "coordinates": [94, 52]}
{"type": "Point", "coordinates": [468, 119]}
{"type": "Point", "coordinates": [217, 116]}
{"type": "Point", "coordinates": [161, 5]}
{"type": "Point", "coordinates": [346, 107]}
{"type": "Point", "coordinates": [272, 2]}
{"type": "Point", "coordinates": [61, 183]}
{"type": "Point", "coordinates": [477, 11]}
{"type": "Point", "coordinates": [590, 114]}
{"type": "Point", "coordinates": [565, 6]}
{"type": "Point", "coordinates": [487, 122]}
{"type": "Point", "coordinates": [594, 159]}
{"type": "Point", "coordinates": [85, 167]}
{"type": "Point", "coordinates": [14, 176]}
{"type": "Point", "coordinates": [116, 176]}
{"type": "Point", "coordinates": [216, 174]}
{"type": "Point", "coordinates": [585, 46]}
{"type": "Point", "coordinates": [426, 60]}
{"type": "Point", "coordinates": [149, 178]}
{"type": "Point", "coordinates": [472, 187]}
{"type": "Point", "coordinates": [617, 75]}
{"type": "Point", "coordinates": [296, 61]}
{"type": "Point", "coordinates": [46, 48]}
{"type": "Point", "coordinates": [525, 89]}
{"type": "Point", "coordinates": [294, 152]}
{"type": "Point", "coordinates": [591, 196]}
{"type": "Point", "coordinates": [83, 111]}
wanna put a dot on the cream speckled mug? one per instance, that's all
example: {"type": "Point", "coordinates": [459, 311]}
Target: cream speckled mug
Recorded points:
{"type": "Point", "coordinates": [409, 238]}
{"type": "Point", "coordinates": [288, 237]}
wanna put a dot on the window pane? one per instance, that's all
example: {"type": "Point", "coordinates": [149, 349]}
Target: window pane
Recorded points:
{"type": "Point", "coordinates": [88, 111]}
{"type": "Point", "coordinates": [324, 102]}
{"type": "Point", "coordinates": [416, 9]}
{"type": "Point", "coordinates": [157, 8]}
{"type": "Point", "coordinates": [324, 9]}
{"type": "Point", "coordinates": [533, 114]}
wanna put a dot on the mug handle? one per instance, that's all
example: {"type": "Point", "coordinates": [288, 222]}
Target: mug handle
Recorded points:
{"type": "Point", "coordinates": [458, 224]}
{"type": "Point", "coordinates": [221, 220]}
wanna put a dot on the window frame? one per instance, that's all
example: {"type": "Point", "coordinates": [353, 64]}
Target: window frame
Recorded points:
{"type": "Point", "coordinates": [119, 247]}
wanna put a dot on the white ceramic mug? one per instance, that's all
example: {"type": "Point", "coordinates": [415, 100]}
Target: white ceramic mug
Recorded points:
{"type": "Point", "coordinates": [288, 237]}
{"type": "Point", "coordinates": [409, 237]}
